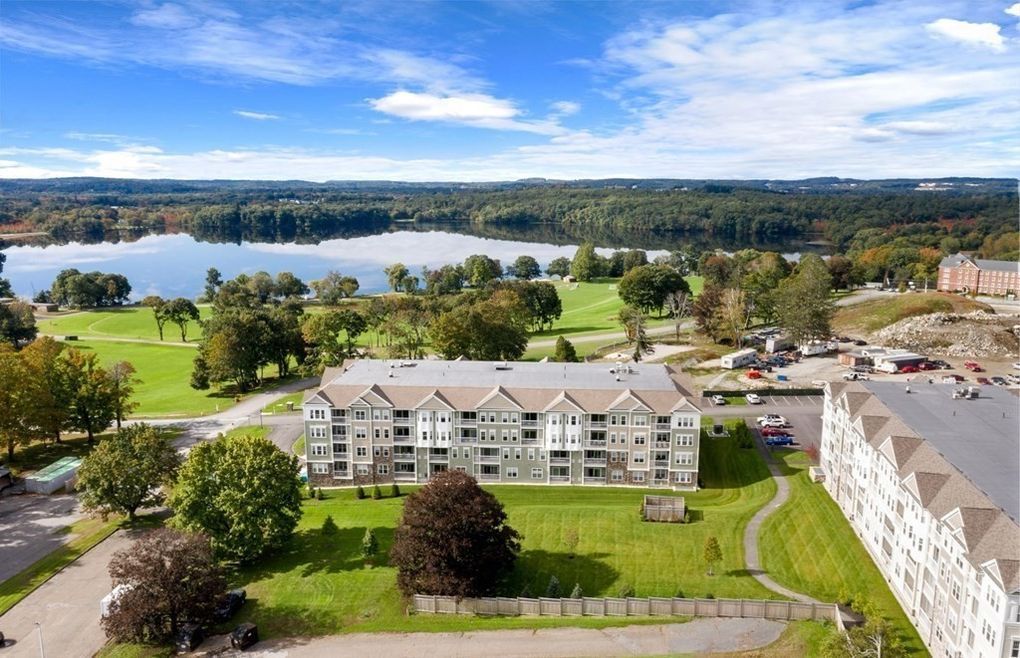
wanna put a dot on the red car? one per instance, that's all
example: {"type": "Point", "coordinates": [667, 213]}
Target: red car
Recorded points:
{"type": "Point", "coordinates": [984, 380]}
{"type": "Point", "coordinates": [774, 431]}
{"type": "Point", "coordinates": [973, 366]}
{"type": "Point", "coordinates": [908, 369]}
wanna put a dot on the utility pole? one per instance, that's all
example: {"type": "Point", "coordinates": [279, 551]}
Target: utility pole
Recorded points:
{"type": "Point", "coordinates": [42, 649]}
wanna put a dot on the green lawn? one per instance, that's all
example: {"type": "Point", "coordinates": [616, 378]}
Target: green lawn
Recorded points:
{"type": "Point", "coordinates": [87, 533]}
{"type": "Point", "coordinates": [808, 545]}
{"type": "Point", "coordinates": [279, 405]}
{"type": "Point", "coordinates": [130, 322]}
{"type": "Point", "coordinates": [320, 585]}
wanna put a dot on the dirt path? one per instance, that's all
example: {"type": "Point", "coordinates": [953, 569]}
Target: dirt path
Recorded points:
{"type": "Point", "coordinates": [124, 339]}
{"type": "Point", "coordinates": [610, 337]}
{"type": "Point", "coordinates": [702, 635]}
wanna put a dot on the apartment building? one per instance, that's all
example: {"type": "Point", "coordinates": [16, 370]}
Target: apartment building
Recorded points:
{"type": "Point", "coordinates": [961, 273]}
{"type": "Point", "coordinates": [931, 483]}
{"type": "Point", "coordinates": [376, 421]}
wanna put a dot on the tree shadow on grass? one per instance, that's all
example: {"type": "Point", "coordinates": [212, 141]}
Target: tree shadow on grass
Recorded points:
{"type": "Point", "coordinates": [310, 552]}
{"type": "Point", "coordinates": [534, 569]}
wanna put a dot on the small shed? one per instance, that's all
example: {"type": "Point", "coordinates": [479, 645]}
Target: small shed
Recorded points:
{"type": "Point", "coordinates": [45, 307]}
{"type": "Point", "coordinates": [665, 509]}
{"type": "Point", "coordinates": [53, 477]}
{"type": "Point", "coordinates": [570, 278]}
{"type": "Point", "coordinates": [817, 474]}
{"type": "Point", "coordinates": [854, 358]}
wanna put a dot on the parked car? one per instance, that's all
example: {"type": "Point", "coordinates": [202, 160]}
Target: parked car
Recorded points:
{"type": "Point", "coordinates": [999, 381]}
{"type": "Point", "coordinates": [775, 424]}
{"type": "Point", "coordinates": [865, 369]}
{"type": "Point", "coordinates": [1016, 366]}
{"type": "Point", "coordinates": [773, 431]}
{"type": "Point", "coordinates": [188, 638]}
{"type": "Point", "coordinates": [855, 377]}
{"type": "Point", "coordinates": [771, 417]}
{"type": "Point", "coordinates": [908, 370]}
{"type": "Point", "coordinates": [940, 363]}
{"type": "Point", "coordinates": [784, 440]}
{"type": "Point", "coordinates": [718, 400]}
{"type": "Point", "coordinates": [753, 398]}
{"type": "Point", "coordinates": [927, 365]}
{"type": "Point", "coordinates": [973, 366]}
{"type": "Point", "coordinates": [984, 381]}
{"type": "Point", "coordinates": [754, 374]}
{"type": "Point", "coordinates": [244, 636]}
{"type": "Point", "coordinates": [860, 343]}
{"type": "Point", "coordinates": [230, 604]}
{"type": "Point", "coordinates": [1013, 379]}
{"type": "Point", "coordinates": [952, 379]}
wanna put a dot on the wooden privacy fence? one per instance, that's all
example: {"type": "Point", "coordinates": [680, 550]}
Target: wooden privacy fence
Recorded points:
{"type": "Point", "coordinates": [624, 607]}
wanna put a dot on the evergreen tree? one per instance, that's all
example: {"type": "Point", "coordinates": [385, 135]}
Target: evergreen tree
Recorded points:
{"type": "Point", "coordinates": [552, 590]}
{"type": "Point", "coordinates": [565, 352]}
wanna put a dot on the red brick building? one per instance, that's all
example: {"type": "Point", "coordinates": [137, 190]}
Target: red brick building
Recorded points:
{"type": "Point", "coordinates": [961, 273]}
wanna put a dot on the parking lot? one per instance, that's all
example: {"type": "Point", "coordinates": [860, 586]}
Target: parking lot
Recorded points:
{"type": "Point", "coordinates": [804, 413]}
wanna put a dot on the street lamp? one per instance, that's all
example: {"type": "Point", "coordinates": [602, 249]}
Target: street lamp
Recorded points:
{"type": "Point", "coordinates": [42, 649]}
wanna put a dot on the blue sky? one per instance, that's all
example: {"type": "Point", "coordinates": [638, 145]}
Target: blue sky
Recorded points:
{"type": "Point", "coordinates": [507, 90]}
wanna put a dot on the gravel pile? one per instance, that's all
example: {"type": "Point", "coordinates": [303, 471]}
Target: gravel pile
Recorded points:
{"type": "Point", "coordinates": [977, 334]}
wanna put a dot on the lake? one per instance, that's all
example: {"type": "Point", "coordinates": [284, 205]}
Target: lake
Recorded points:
{"type": "Point", "coordinates": [173, 265]}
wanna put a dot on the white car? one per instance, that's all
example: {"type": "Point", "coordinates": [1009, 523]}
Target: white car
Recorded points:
{"type": "Point", "coordinates": [1016, 366]}
{"type": "Point", "coordinates": [779, 424]}
{"type": "Point", "coordinates": [855, 377]}
{"type": "Point", "coordinates": [718, 400]}
{"type": "Point", "coordinates": [752, 398]}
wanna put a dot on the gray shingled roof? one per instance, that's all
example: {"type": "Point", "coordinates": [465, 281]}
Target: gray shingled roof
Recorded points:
{"type": "Point", "coordinates": [993, 265]}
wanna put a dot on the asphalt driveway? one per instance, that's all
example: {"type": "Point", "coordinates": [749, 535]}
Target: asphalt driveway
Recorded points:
{"type": "Point", "coordinates": [30, 527]}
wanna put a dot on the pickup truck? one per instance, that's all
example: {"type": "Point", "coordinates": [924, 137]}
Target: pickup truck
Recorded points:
{"type": "Point", "coordinates": [855, 377]}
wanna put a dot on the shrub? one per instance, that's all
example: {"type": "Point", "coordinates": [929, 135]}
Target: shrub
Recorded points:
{"type": "Point", "coordinates": [360, 493]}
{"type": "Point", "coordinates": [329, 526]}
{"type": "Point", "coordinates": [395, 490]}
{"type": "Point", "coordinates": [526, 592]}
{"type": "Point", "coordinates": [318, 493]}
{"type": "Point", "coordinates": [552, 590]}
{"type": "Point", "coordinates": [679, 594]}
{"type": "Point", "coordinates": [710, 595]}
{"type": "Point", "coordinates": [369, 545]}
{"type": "Point", "coordinates": [626, 591]}
{"type": "Point", "coordinates": [376, 493]}
{"type": "Point", "coordinates": [577, 592]}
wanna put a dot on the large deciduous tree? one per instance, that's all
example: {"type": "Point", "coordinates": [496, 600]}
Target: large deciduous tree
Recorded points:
{"type": "Point", "coordinates": [634, 327]}
{"type": "Point", "coordinates": [49, 381]}
{"type": "Point", "coordinates": [585, 265]}
{"type": "Point", "coordinates": [479, 269]}
{"type": "Point", "coordinates": [646, 287]}
{"type": "Point", "coordinates": [17, 401]}
{"type": "Point", "coordinates": [333, 288]}
{"type": "Point", "coordinates": [93, 400]}
{"type": "Point", "coordinates": [524, 268]}
{"type": "Point", "coordinates": [396, 274]}
{"type": "Point", "coordinates": [125, 471]}
{"type": "Point", "coordinates": [558, 266]}
{"type": "Point", "coordinates": [805, 305]}
{"type": "Point", "coordinates": [706, 311]}
{"type": "Point", "coordinates": [17, 324]}
{"type": "Point", "coordinates": [180, 311]}
{"type": "Point", "coordinates": [489, 330]}
{"type": "Point", "coordinates": [453, 539]}
{"type": "Point", "coordinates": [164, 579]}
{"type": "Point", "coordinates": [157, 303]}
{"type": "Point", "coordinates": [242, 491]}
{"type": "Point", "coordinates": [331, 337]}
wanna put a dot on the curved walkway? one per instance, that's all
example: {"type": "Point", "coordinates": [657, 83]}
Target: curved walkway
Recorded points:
{"type": "Point", "coordinates": [751, 557]}
{"type": "Point", "coordinates": [699, 636]}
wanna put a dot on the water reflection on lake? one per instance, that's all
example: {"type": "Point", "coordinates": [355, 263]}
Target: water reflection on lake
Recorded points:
{"type": "Point", "coordinates": [175, 265]}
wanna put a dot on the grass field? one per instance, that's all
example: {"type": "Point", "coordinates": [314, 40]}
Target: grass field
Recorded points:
{"type": "Point", "coordinates": [279, 405]}
{"type": "Point", "coordinates": [319, 585]}
{"type": "Point", "coordinates": [132, 322]}
{"type": "Point", "coordinates": [808, 545]}
{"type": "Point", "coordinates": [876, 314]}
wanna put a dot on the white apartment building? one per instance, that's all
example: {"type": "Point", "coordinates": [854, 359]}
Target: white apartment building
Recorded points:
{"type": "Point", "coordinates": [376, 421]}
{"type": "Point", "coordinates": [931, 484]}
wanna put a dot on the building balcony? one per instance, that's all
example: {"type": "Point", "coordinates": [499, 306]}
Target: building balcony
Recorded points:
{"type": "Point", "coordinates": [559, 478]}
{"type": "Point", "coordinates": [439, 458]}
{"type": "Point", "coordinates": [464, 422]}
{"type": "Point", "coordinates": [595, 443]}
{"type": "Point", "coordinates": [403, 421]}
{"type": "Point", "coordinates": [662, 463]}
{"type": "Point", "coordinates": [531, 442]}
{"type": "Point", "coordinates": [660, 481]}
{"type": "Point", "coordinates": [598, 424]}
{"type": "Point", "coordinates": [488, 477]}
{"type": "Point", "coordinates": [467, 440]}
{"type": "Point", "coordinates": [403, 457]}
{"type": "Point", "coordinates": [405, 477]}
{"type": "Point", "coordinates": [559, 460]}
{"type": "Point", "coordinates": [403, 440]}
{"type": "Point", "coordinates": [487, 459]}
{"type": "Point", "coordinates": [529, 423]}
{"type": "Point", "coordinates": [594, 461]}
{"type": "Point", "coordinates": [341, 474]}
{"type": "Point", "coordinates": [661, 445]}
{"type": "Point", "coordinates": [661, 426]}
{"type": "Point", "coordinates": [591, 480]}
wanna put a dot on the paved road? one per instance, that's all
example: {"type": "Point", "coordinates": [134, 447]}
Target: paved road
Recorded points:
{"type": "Point", "coordinates": [29, 529]}
{"type": "Point", "coordinates": [66, 606]}
{"type": "Point", "coordinates": [698, 636]}
{"type": "Point", "coordinates": [609, 337]}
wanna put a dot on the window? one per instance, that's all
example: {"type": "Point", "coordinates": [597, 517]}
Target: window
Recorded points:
{"type": "Point", "coordinates": [362, 469]}
{"type": "Point", "coordinates": [612, 437]}
{"type": "Point", "coordinates": [511, 472]}
{"type": "Point", "coordinates": [513, 418]}
{"type": "Point", "coordinates": [359, 414]}
{"type": "Point", "coordinates": [377, 452]}
{"type": "Point", "coordinates": [638, 458]}
{"type": "Point", "coordinates": [320, 469]}
{"type": "Point", "coordinates": [637, 476]}
{"type": "Point", "coordinates": [684, 477]}
{"type": "Point", "coordinates": [319, 450]}
{"type": "Point", "coordinates": [685, 421]}
{"type": "Point", "coordinates": [612, 419]}
{"type": "Point", "coordinates": [685, 458]}
{"type": "Point", "coordinates": [317, 414]}
{"type": "Point", "coordinates": [616, 476]}
{"type": "Point", "coordinates": [361, 451]}
{"type": "Point", "coordinates": [317, 432]}
{"type": "Point", "coordinates": [1014, 652]}
{"type": "Point", "coordinates": [383, 469]}
{"type": "Point", "coordinates": [639, 439]}
{"type": "Point", "coordinates": [360, 433]}
{"type": "Point", "coordinates": [531, 454]}
{"type": "Point", "coordinates": [455, 453]}
{"type": "Point", "coordinates": [640, 421]}
{"type": "Point", "coordinates": [685, 439]}
{"type": "Point", "coordinates": [536, 474]}
{"type": "Point", "coordinates": [506, 453]}
{"type": "Point", "coordinates": [517, 453]}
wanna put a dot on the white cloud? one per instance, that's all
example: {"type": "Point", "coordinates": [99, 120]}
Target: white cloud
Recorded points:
{"type": "Point", "coordinates": [565, 108]}
{"type": "Point", "coordinates": [256, 116]}
{"type": "Point", "coordinates": [1013, 10]}
{"type": "Point", "coordinates": [168, 16]}
{"type": "Point", "coordinates": [479, 110]}
{"type": "Point", "coordinates": [975, 34]}
{"type": "Point", "coordinates": [110, 138]}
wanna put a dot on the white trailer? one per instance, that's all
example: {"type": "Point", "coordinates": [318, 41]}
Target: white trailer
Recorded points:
{"type": "Point", "coordinates": [739, 359]}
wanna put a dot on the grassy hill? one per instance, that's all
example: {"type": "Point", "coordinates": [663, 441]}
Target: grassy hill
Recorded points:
{"type": "Point", "coordinates": [868, 317]}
